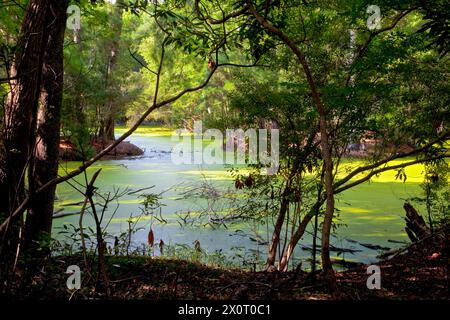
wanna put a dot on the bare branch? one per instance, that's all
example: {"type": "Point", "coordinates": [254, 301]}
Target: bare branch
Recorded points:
{"type": "Point", "coordinates": [133, 55]}
{"type": "Point", "coordinates": [388, 168]}
{"type": "Point", "coordinates": [225, 18]}
{"type": "Point", "coordinates": [2, 80]}
{"type": "Point", "coordinates": [393, 157]}
{"type": "Point", "coordinates": [22, 207]}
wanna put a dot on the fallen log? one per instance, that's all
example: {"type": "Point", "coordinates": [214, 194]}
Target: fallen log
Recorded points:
{"type": "Point", "coordinates": [397, 241]}
{"type": "Point", "coordinates": [374, 246]}
{"type": "Point", "coordinates": [64, 214]}
{"type": "Point", "coordinates": [348, 264]}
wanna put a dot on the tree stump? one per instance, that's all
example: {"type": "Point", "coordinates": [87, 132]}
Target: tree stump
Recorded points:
{"type": "Point", "coordinates": [416, 228]}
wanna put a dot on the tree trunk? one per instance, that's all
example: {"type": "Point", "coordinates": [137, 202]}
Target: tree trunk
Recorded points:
{"type": "Point", "coordinates": [22, 106]}
{"type": "Point", "coordinates": [416, 228]}
{"type": "Point", "coordinates": [324, 139]}
{"type": "Point", "coordinates": [329, 211]}
{"type": "Point", "coordinates": [295, 238]}
{"type": "Point", "coordinates": [45, 164]}
{"type": "Point", "coordinates": [107, 130]}
{"type": "Point", "coordinates": [108, 133]}
{"type": "Point", "coordinates": [271, 256]}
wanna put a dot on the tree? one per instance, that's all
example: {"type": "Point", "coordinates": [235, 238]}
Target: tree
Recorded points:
{"type": "Point", "coordinates": [174, 29]}
{"type": "Point", "coordinates": [330, 89]}
{"type": "Point", "coordinates": [352, 97]}
{"type": "Point", "coordinates": [21, 111]}
{"type": "Point", "coordinates": [43, 166]}
{"type": "Point", "coordinates": [109, 110]}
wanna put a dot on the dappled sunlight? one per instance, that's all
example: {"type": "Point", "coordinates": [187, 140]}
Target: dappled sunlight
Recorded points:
{"type": "Point", "coordinates": [353, 210]}
{"type": "Point", "coordinates": [242, 150]}
{"type": "Point", "coordinates": [414, 173]}
{"type": "Point", "coordinates": [368, 212]}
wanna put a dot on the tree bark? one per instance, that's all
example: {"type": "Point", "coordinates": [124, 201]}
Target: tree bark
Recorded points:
{"type": "Point", "coordinates": [107, 130]}
{"type": "Point", "coordinates": [327, 266]}
{"type": "Point", "coordinates": [21, 106]}
{"type": "Point", "coordinates": [46, 151]}
{"type": "Point", "coordinates": [271, 256]}
{"type": "Point", "coordinates": [416, 228]}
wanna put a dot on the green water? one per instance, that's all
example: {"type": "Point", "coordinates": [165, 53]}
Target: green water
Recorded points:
{"type": "Point", "coordinates": [372, 212]}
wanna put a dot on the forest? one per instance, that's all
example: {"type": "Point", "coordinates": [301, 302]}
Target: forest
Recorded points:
{"type": "Point", "coordinates": [224, 149]}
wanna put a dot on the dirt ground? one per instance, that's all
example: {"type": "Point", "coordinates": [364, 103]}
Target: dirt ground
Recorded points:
{"type": "Point", "coordinates": [419, 272]}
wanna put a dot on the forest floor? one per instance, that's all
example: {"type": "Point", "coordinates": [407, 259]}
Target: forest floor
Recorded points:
{"type": "Point", "coordinates": [419, 272]}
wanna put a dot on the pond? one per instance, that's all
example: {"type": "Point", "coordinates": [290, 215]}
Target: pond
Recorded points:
{"type": "Point", "coordinates": [372, 213]}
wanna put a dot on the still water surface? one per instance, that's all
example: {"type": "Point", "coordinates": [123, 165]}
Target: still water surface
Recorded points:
{"type": "Point", "coordinates": [372, 212]}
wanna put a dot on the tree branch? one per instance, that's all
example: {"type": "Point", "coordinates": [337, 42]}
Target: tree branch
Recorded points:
{"type": "Point", "coordinates": [362, 50]}
{"type": "Point", "coordinates": [388, 168]}
{"type": "Point", "coordinates": [133, 55]}
{"type": "Point", "coordinates": [2, 80]}
{"type": "Point", "coordinates": [393, 157]}
{"type": "Point", "coordinates": [225, 18]}
{"type": "Point", "coordinates": [87, 164]}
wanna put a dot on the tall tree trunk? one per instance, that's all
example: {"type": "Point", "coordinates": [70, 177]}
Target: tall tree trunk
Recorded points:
{"type": "Point", "coordinates": [271, 256]}
{"type": "Point", "coordinates": [46, 153]}
{"type": "Point", "coordinates": [324, 140]}
{"type": "Point", "coordinates": [21, 106]}
{"type": "Point", "coordinates": [329, 211]}
{"type": "Point", "coordinates": [316, 224]}
{"type": "Point", "coordinates": [107, 130]}
{"type": "Point", "coordinates": [295, 238]}
{"type": "Point", "coordinates": [78, 118]}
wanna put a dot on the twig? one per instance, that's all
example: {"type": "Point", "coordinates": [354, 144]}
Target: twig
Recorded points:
{"type": "Point", "coordinates": [247, 282]}
{"type": "Point", "coordinates": [90, 186]}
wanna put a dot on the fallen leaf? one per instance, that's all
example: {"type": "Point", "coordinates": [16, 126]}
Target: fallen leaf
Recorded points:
{"type": "Point", "coordinates": [434, 256]}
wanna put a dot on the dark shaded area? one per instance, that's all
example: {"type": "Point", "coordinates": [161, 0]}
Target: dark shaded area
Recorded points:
{"type": "Point", "coordinates": [419, 271]}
